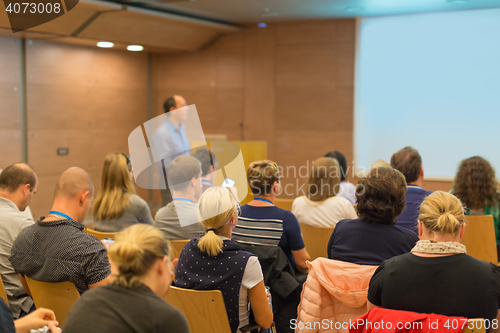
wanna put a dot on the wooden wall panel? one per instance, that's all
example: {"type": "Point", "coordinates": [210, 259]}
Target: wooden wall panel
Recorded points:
{"type": "Point", "coordinates": [88, 100]}
{"type": "Point", "coordinates": [10, 119]}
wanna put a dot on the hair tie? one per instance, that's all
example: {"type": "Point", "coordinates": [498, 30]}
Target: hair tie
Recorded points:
{"type": "Point", "coordinates": [212, 229]}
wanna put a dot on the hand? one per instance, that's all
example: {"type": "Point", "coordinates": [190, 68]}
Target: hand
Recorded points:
{"type": "Point", "coordinates": [39, 318]}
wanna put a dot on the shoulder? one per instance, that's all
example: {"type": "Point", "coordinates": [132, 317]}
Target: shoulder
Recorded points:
{"type": "Point", "coordinates": [347, 223]}
{"type": "Point", "coordinates": [408, 233]}
{"type": "Point", "coordinates": [137, 200]}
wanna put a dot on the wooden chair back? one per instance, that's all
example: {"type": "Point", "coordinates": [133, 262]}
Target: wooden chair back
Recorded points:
{"type": "Point", "coordinates": [101, 235]}
{"type": "Point", "coordinates": [285, 204]}
{"type": "Point", "coordinates": [475, 326]}
{"type": "Point", "coordinates": [205, 310]}
{"type": "Point", "coordinates": [3, 294]}
{"type": "Point", "coordinates": [58, 297]}
{"type": "Point", "coordinates": [479, 238]}
{"type": "Point", "coordinates": [316, 240]}
{"type": "Point", "coordinates": [177, 246]}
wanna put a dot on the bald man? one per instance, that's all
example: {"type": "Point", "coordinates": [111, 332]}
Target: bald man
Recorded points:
{"type": "Point", "coordinates": [170, 138]}
{"type": "Point", "coordinates": [18, 184]}
{"type": "Point", "coordinates": [55, 248]}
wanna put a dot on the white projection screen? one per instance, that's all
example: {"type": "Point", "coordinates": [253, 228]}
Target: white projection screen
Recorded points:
{"type": "Point", "coordinates": [431, 81]}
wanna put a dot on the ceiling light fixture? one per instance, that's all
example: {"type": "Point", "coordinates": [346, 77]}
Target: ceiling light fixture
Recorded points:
{"type": "Point", "coordinates": [105, 44]}
{"type": "Point", "coordinates": [135, 48]}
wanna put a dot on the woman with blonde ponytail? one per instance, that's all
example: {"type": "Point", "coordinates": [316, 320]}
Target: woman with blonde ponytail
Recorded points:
{"type": "Point", "coordinates": [133, 303]}
{"type": "Point", "coordinates": [214, 261]}
{"type": "Point", "coordinates": [437, 276]}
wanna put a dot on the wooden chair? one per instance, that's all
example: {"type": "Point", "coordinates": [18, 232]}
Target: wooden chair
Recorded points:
{"type": "Point", "coordinates": [101, 235]}
{"type": "Point", "coordinates": [59, 297]}
{"type": "Point", "coordinates": [3, 294]}
{"type": "Point", "coordinates": [316, 240]}
{"type": "Point", "coordinates": [285, 204]}
{"type": "Point", "coordinates": [479, 238]}
{"type": "Point", "coordinates": [205, 310]}
{"type": "Point", "coordinates": [177, 246]}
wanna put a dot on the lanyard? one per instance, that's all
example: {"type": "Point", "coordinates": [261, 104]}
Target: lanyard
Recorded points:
{"type": "Point", "coordinates": [182, 199]}
{"type": "Point", "coordinates": [265, 200]}
{"type": "Point", "coordinates": [55, 212]}
{"type": "Point", "coordinates": [179, 137]}
{"type": "Point", "coordinates": [206, 182]}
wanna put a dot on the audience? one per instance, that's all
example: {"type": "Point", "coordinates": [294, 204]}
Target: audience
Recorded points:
{"type": "Point", "coordinates": [262, 223]}
{"type": "Point", "coordinates": [409, 162]}
{"type": "Point", "coordinates": [33, 321]}
{"type": "Point", "coordinates": [134, 301]}
{"type": "Point", "coordinates": [321, 207]}
{"type": "Point", "coordinates": [347, 190]}
{"type": "Point", "coordinates": [55, 248]}
{"type": "Point", "coordinates": [184, 176]}
{"type": "Point", "coordinates": [116, 206]}
{"type": "Point", "coordinates": [476, 186]}
{"type": "Point", "coordinates": [18, 184]}
{"type": "Point", "coordinates": [438, 276]}
{"type": "Point", "coordinates": [214, 261]}
{"type": "Point", "coordinates": [374, 237]}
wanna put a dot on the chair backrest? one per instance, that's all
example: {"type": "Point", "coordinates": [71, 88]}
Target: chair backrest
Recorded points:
{"type": "Point", "coordinates": [101, 235]}
{"type": "Point", "coordinates": [475, 326]}
{"type": "Point", "coordinates": [316, 240]}
{"type": "Point", "coordinates": [205, 310]}
{"type": "Point", "coordinates": [479, 238]}
{"type": "Point", "coordinates": [3, 294]}
{"type": "Point", "coordinates": [177, 246]}
{"type": "Point", "coordinates": [285, 204]}
{"type": "Point", "coordinates": [58, 297]}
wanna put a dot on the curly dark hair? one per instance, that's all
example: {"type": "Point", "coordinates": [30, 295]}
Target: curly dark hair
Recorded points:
{"type": "Point", "coordinates": [381, 196]}
{"type": "Point", "coordinates": [475, 183]}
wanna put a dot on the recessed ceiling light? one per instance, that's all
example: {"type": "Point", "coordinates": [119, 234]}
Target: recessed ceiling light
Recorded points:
{"type": "Point", "coordinates": [105, 44]}
{"type": "Point", "coordinates": [353, 9]}
{"type": "Point", "coordinates": [261, 25]}
{"type": "Point", "coordinates": [135, 48]}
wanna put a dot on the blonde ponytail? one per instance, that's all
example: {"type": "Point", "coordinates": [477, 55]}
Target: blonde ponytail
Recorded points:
{"type": "Point", "coordinates": [442, 212]}
{"type": "Point", "coordinates": [215, 208]}
{"type": "Point", "coordinates": [135, 250]}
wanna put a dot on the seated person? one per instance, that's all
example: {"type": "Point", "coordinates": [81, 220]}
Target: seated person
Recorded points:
{"type": "Point", "coordinates": [39, 318]}
{"type": "Point", "coordinates": [409, 163]}
{"type": "Point", "coordinates": [262, 223]}
{"type": "Point", "coordinates": [347, 190]}
{"type": "Point", "coordinates": [380, 164]}
{"type": "Point", "coordinates": [134, 301]}
{"type": "Point", "coordinates": [321, 207]}
{"type": "Point", "coordinates": [437, 276]}
{"type": "Point", "coordinates": [184, 178]}
{"type": "Point", "coordinates": [55, 248]}
{"type": "Point", "coordinates": [374, 237]}
{"type": "Point", "coordinates": [116, 206]}
{"type": "Point", "coordinates": [214, 261]}
{"type": "Point", "coordinates": [18, 184]}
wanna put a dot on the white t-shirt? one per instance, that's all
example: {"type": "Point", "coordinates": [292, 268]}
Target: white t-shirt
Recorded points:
{"type": "Point", "coordinates": [251, 277]}
{"type": "Point", "coordinates": [324, 213]}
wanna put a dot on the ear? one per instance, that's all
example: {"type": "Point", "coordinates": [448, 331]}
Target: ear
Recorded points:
{"type": "Point", "coordinates": [26, 188]}
{"type": "Point", "coordinates": [461, 231]}
{"type": "Point", "coordinates": [84, 196]}
{"type": "Point", "coordinates": [276, 188]}
{"type": "Point", "coordinates": [212, 169]}
{"type": "Point", "coordinates": [421, 173]}
{"type": "Point", "coordinates": [420, 228]}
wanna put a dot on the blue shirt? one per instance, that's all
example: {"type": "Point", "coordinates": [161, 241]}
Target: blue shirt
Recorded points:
{"type": "Point", "coordinates": [169, 142]}
{"type": "Point", "coordinates": [367, 243]}
{"type": "Point", "coordinates": [271, 226]}
{"type": "Point", "coordinates": [414, 197]}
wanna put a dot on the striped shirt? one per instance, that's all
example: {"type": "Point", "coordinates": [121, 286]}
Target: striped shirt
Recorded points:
{"type": "Point", "coordinates": [271, 226]}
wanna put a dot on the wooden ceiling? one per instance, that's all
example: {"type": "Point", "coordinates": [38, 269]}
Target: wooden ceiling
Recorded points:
{"type": "Point", "coordinates": [92, 21]}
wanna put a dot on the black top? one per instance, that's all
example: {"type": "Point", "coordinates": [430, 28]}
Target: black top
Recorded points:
{"type": "Point", "coordinates": [117, 309]}
{"type": "Point", "coordinates": [6, 318]}
{"type": "Point", "coordinates": [456, 285]}
{"type": "Point", "coordinates": [365, 243]}
{"type": "Point", "coordinates": [58, 251]}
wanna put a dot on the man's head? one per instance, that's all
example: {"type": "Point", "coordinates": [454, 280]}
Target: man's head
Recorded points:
{"type": "Point", "coordinates": [172, 104]}
{"type": "Point", "coordinates": [19, 182]}
{"type": "Point", "coordinates": [184, 177]}
{"type": "Point", "coordinates": [75, 188]}
{"type": "Point", "coordinates": [342, 163]}
{"type": "Point", "coordinates": [208, 161]}
{"type": "Point", "coordinates": [264, 178]}
{"type": "Point", "coordinates": [409, 163]}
